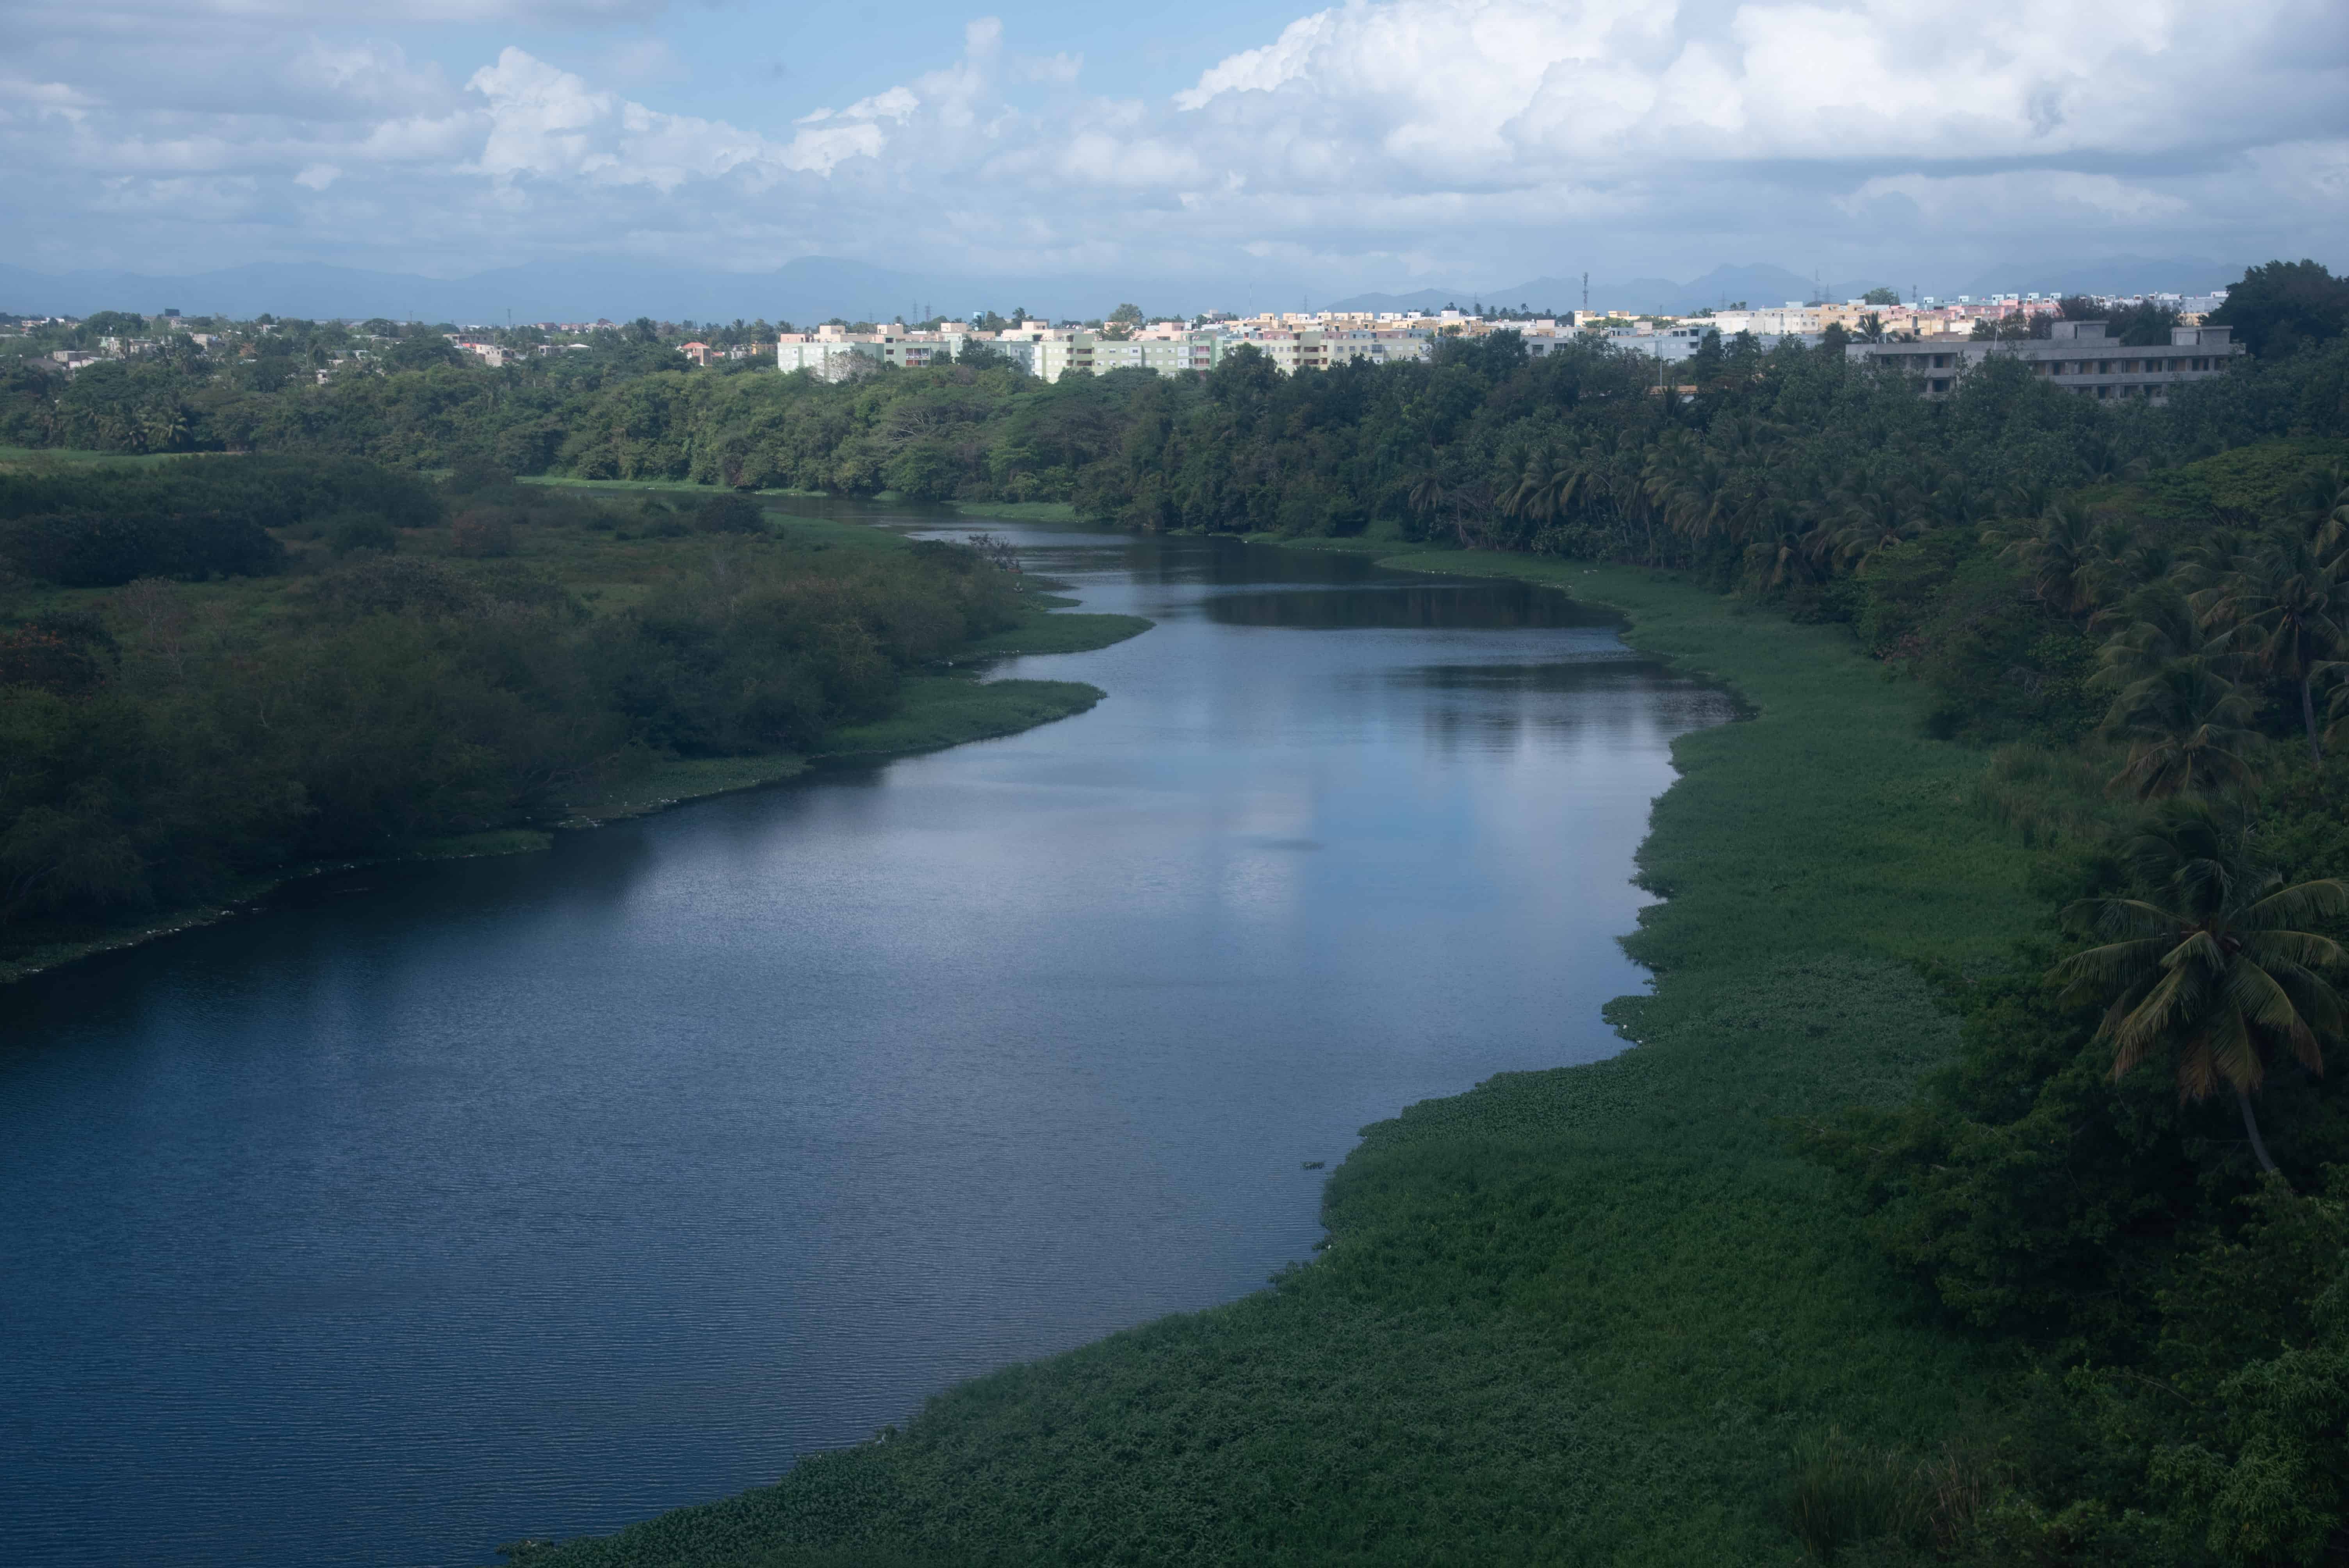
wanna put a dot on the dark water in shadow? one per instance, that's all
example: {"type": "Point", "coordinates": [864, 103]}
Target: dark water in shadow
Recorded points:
{"type": "Point", "coordinates": [447, 1204]}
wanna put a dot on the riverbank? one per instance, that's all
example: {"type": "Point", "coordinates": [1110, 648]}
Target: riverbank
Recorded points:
{"type": "Point", "coordinates": [950, 707]}
{"type": "Point", "coordinates": [1581, 1315]}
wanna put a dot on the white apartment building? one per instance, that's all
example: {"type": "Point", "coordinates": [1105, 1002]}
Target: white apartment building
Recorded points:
{"type": "Point", "coordinates": [1049, 352]}
{"type": "Point", "coordinates": [2077, 356]}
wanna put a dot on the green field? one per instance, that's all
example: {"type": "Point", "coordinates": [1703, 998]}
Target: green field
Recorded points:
{"type": "Point", "coordinates": [1582, 1316]}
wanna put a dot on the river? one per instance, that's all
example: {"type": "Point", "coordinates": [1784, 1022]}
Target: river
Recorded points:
{"type": "Point", "coordinates": [444, 1204]}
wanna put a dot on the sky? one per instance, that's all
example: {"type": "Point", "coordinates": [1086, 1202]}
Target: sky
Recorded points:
{"type": "Point", "coordinates": [1377, 144]}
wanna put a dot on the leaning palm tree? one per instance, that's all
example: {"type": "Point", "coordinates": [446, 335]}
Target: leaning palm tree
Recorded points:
{"type": "Point", "coordinates": [2211, 968]}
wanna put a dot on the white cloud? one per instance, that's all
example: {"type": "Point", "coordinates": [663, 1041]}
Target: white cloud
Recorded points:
{"type": "Point", "coordinates": [2044, 193]}
{"type": "Point", "coordinates": [1478, 138]}
{"type": "Point", "coordinates": [1475, 88]}
{"type": "Point", "coordinates": [1061, 69]}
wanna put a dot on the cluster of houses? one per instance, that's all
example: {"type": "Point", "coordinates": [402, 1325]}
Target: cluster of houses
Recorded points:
{"type": "Point", "coordinates": [1936, 340]}
{"type": "Point", "coordinates": [1933, 339]}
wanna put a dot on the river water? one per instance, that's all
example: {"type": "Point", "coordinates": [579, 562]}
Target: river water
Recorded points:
{"type": "Point", "coordinates": [445, 1204]}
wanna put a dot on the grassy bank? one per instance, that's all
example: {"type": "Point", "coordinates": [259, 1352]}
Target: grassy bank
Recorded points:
{"type": "Point", "coordinates": [1578, 1316]}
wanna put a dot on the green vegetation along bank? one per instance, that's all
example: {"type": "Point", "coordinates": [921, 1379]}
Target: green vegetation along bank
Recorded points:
{"type": "Point", "coordinates": [1974, 1192]}
{"type": "Point", "coordinates": [216, 674]}
{"type": "Point", "coordinates": [1580, 1316]}
{"type": "Point", "coordinates": [1867, 1253]}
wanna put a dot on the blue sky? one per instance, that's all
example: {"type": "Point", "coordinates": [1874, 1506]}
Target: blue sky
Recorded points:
{"type": "Point", "coordinates": [1376, 144]}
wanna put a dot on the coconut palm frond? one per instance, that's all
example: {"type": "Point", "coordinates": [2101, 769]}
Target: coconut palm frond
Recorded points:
{"type": "Point", "coordinates": [2316, 899]}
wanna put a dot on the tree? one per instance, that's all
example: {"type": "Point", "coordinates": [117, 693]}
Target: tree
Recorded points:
{"type": "Point", "coordinates": [2209, 968]}
{"type": "Point", "coordinates": [2143, 326]}
{"type": "Point", "coordinates": [1744, 358]}
{"type": "Point", "coordinates": [422, 353]}
{"type": "Point", "coordinates": [1126, 315]}
{"type": "Point", "coordinates": [2061, 555]}
{"type": "Point", "coordinates": [1880, 297]}
{"type": "Point", "coordinates": [1427, 491]}
{"type": "Point", "coordinates": [1876, 515]}
{"type": "Point", "coordinates": [2320, 501]}
{"type": "Point", "coordinates": [1708, 364]}
{"type": "Point", "coordinates": [2283, 304]}
{"type": "Point", "coordinates": [2294, 608]}
{"type": "Point", "coordinates": [2189, 732]}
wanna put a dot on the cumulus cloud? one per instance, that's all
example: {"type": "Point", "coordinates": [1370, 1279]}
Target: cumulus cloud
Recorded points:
{"type": "Point", "coordinates": [1376, 137]}
{"type": "Point", "coordinates": [1478, 85]}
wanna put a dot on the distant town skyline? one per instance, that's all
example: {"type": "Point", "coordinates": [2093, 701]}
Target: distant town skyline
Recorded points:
{"type": "Point", "coordinates": [1373, 147]}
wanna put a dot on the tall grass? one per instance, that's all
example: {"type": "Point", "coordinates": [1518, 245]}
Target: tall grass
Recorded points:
{"type": "Point", "coordinates": [2051, 797]}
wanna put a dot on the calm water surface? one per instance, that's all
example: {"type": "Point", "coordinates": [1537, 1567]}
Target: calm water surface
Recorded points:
{"type": "Point", "coordinates": [442, 1205]}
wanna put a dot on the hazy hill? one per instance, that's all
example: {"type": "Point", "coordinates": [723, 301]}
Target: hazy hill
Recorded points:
{"type": "Point", "coordinates": [1757, 285]}
{"type": "Point", "coordinates": [816, 288]}
{"type": "Point", "coordinates": [811, 289]}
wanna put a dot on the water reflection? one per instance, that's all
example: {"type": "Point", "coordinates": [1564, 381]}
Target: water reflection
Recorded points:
{"type": "Point", "coordinates": [441, 1205]}
{"type": "Point", "coordinates": [1405, 607]}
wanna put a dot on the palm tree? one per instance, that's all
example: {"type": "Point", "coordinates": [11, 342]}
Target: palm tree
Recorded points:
{"type": "Point", "coordinates": [2205, 565]}
{"type": "Point", "coordinates": [2063, 554]}
{"type": "Point", "coordinates": [1427, 491]}
{"type": "Point", "coordinates": [2293, 609]}
{"type": "Point", "coordinates": [1875, 516]}
{"type": "Point", "coordinates": [1535, 486]}
{"type": "Point", "coordinates": [2188, 732]}
{"type": "Point", "coordinates": [2322, 501]}
{"type": "Point", "coordinates": [2209, 968]}
{"type": "Point", "coordinates": [2159, 626]}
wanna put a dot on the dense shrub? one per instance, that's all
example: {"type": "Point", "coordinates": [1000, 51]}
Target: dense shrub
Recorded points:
{"type": "Point", "coordinates": [94, 550]}
{"type": "Point", "coordinates": [156, 752]}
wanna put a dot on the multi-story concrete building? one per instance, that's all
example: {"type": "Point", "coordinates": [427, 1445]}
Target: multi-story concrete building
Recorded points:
{"type": "Point", "coordinates": [829, 353]}
{"type": "Point", "coordinates": [2077, 356]}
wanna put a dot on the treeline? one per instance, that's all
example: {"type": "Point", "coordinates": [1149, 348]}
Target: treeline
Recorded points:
{"type": "Point", "coordinates": [2132, 1187]}
{"type": "Point", "coordinates": [162, 740]}
{"type": "Point", "coordinates": [1783, 472]}
{"type": "Point", "coordinates": [103, 526]}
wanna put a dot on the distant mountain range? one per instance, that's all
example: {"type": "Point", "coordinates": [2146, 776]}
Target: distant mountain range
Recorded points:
{"type": "Point", "coordinates": [1766, 285]}
{"type": "Point", "coordinates": [2117, 275]}
{"type": "Point", "coordinates": [814, 289]}
{"type": "Point", "coordinates": [1757, 285]}
{"type": "Point", "coordinates": [811, 289]}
